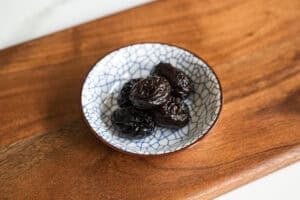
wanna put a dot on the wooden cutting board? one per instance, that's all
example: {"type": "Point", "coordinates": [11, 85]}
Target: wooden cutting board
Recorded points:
{"type": "Point", "coordinates": [47, 151]}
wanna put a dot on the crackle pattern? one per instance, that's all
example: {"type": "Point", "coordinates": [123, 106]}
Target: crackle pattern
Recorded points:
{"type": "Point", "coordinates": [105, 80]}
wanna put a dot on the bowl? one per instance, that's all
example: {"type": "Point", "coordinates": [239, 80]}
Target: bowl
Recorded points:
{"type": "Point", "coordinates": [106, 78]}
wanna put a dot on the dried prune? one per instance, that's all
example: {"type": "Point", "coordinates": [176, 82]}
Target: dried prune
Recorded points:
{"type": "Point", "coordinates": [173, 114]}
{"type": "Point", "coordinates": [150, 92]}
{"type": "Point", "coordinates": [123, 98]}
{"type": "Point", "coordinates": [132, 122]}
{"type": "Point", "coordinates": [181, 83]}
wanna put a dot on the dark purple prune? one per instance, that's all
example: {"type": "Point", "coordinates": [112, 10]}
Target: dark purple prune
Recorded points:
{"type": "Point", "coordinates": [123, 97]}
{"type": "Point", "coordinates": [150, 92]}
{"type": "Point", "coordinates": [173, 114]}
{"type": "Point", "coordinates": [181, 84]}
{"type": "Point", "coordinates": [132, 122]}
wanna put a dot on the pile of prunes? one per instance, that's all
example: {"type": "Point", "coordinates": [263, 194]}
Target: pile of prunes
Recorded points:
{"type": "Point", "coordinates": [155, 100]}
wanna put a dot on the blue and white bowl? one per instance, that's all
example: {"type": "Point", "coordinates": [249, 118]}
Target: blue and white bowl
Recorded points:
{"type": "Point", "coordinates": [106, 78]}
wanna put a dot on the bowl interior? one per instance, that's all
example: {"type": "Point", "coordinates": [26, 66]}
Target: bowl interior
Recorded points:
{"type": "Point", "coordinates": [107, 77]}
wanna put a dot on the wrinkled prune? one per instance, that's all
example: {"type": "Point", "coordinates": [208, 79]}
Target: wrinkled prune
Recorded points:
{"type": "Point", "coordinates": [150, 92]}
{"type": "Point", "coordinates": [123, 98]}
{"type": "Point", "coordinates": [173, 114]}
{"type": "Point", "coordinates": [181, 84]}
{"type": "Point", "coordinates": [132, 122]}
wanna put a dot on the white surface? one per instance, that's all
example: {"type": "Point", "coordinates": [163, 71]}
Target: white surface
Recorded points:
{"type": "Point", "coordinates": [24, 20]}
{"type": "Point", "coordinates": [281, 185]}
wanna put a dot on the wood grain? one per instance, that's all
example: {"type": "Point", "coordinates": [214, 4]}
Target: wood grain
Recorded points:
{"type": "Point", "coordinates": [47, 152]}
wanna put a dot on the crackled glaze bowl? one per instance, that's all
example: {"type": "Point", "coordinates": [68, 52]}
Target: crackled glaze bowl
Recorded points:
{"type": "Point", "coordinates": [106, 78]}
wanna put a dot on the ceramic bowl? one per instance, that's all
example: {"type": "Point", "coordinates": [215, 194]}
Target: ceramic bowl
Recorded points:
{"type": "Point", "coordinates": [106, 78]}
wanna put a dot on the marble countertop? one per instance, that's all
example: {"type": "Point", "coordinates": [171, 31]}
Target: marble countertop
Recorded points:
{"type": "Point", "coordinates": [22, 21]}
{"type": "Point", "coordinates": [30, 19]}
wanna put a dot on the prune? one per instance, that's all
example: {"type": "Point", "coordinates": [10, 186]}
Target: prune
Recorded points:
{"type": "Point", "coordinates": [132, 122]}
{"type": "Point", "coordinates": [181, 84]}
{"type": "Point", "coordinates": [173, 114]}
{"type": "Point", "coordinates": [123, 98]}
{"type": "Point", "coordinates": [150, 92]}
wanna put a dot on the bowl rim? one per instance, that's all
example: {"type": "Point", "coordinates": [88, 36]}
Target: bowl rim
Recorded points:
{"type": "Point", "coordinates": [141, 154]}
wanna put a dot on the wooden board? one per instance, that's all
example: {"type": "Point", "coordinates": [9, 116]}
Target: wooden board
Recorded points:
{"type": "Point", "coordinates": [47, 151]}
